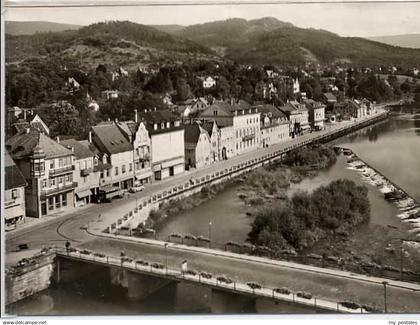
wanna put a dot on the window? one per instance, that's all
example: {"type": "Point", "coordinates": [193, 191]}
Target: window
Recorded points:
{"type": "Point", "coordinates": [68, 178]}
{"type": "Point", "coordinates": [102, 175]}
{"type": "Point", "coordinates": [52, 182]}
{"type": "Point", "coordinates": [57, 202]}
{"type": "Point", "coordinates": [130, 167]}
{"type": "Point", "coordinates": [116, 171]}
{"type": "Point", "coordinates": [44, 183]}
{"type": "Point", "coordinates": [50, 203]}
{"type": "Point", "coordinates": [60, 163]}
{"type": "Point", "coordinates": [15, 194]}
{"type": "Point", "coordinates": [107, 173]}
{"type": "Point", "coordinates": [52, 164]}
{"type": "Point", "coordinates": [123, 169]}
{"type": "Point", "coordinates": [64, 200]}
{"type": "Point", "coordinates": [60, 180]}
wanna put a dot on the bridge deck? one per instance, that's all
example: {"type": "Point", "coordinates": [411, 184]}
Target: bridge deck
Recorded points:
{"type": "Point", "coordinates": [325, 284]}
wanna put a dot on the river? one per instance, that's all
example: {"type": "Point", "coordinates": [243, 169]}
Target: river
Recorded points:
{"type": "Point", "coordinates": [393, 147]}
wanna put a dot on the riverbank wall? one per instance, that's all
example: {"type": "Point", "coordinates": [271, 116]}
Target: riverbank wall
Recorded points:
{"type": "Point", "coordinates": [141, 211]}
{"type": "Point", "coordinates": [29, 277]}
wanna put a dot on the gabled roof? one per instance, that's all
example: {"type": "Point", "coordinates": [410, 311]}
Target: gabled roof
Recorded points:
{"type": "Point", "coordinates": [109, 139]}
{"type": "Point", "coordinates": [80, 151]}
{"type": "Point", "coordinates": [22, 145]}
{"type": "Point", "coordinates": [330, 96]}
{"type": "Point", "coordinates": [158, 116]}
{"type": "Point", "coordinates": [208, 126]}
{"type": "Point", "coordinates": [268, 108]}
{"type": "Point", "coordinates": [192, 133]}
{"type": "Point", "coordinates": [13, 177]}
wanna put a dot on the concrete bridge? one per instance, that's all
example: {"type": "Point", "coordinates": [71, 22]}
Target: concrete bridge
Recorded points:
{"type": "Point", "coordinates": [161, 261]}
{"type": "Point", "coordinates": [142, 279]}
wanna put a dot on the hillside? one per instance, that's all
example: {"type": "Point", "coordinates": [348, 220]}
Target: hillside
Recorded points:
{"type": "Point", "coordinates": [114, 43]}
{"type": "Point", "coordinates": [170, 29]}
{"type": "Point", "coordinates": [270, 41]}
{"type": "Point", "coordinates": [231, 31]}
{"type": "Point", "coordinates": [33, 27]}
{"type": "Point", "coordinates": [405, 40]}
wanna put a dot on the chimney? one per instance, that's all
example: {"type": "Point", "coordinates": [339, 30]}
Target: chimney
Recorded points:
{"type": "Point", "coordinates": [57, 139]}
{"type": "Point", "coordinates": [24, 114]}
{"type": "Point", "coordinates": [135, 116]}
{"type": "Point", "coordinates": [90, 136]}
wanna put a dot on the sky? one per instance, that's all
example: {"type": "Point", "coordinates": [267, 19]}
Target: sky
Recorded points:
{"type": "Point", "coordinates": [345, 19]}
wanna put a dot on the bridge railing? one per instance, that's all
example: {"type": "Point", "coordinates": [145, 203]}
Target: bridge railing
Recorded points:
{"type": "Point", "coordinates": [215, 281]}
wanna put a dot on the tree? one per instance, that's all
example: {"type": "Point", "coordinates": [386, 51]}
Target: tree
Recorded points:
{"type": "Point", "coordinates": [183, 91]}
{"type": "Point", "coordinates": [62, 118]}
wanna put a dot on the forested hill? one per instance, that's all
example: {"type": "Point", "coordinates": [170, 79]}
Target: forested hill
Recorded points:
{"type": "Point", "coordinates": [115, 43]}
{"type": "Point", "coordinates": [32, 27]}
{"type": "Point", "coordinates": [270, 41]}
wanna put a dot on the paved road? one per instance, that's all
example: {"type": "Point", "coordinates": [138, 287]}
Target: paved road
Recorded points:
{"type": "Point", "coordinates": [68, 226]}
{"type": "Point", "coordinates": [334, 285]}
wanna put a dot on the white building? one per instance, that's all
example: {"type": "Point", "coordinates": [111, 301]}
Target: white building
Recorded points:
{"type": "Point", "coordinates": [245, 123]}
{"type": "Point", "coordinates": [14, 194]}
{"type": "Point", "coordinates": [298, 116]}
{"type": "Point", "coordinates": [198, 151]}
{"type": "Point", "coordinates": [316, 111]}
{"type": "Point", "coordinates": [274, 125]}
{"type": "Point", "coordinates": [208, 82]}
{"type": "Point", "coordinates": [167, 142]}
{"type": "Point", "coordinates": [296, 86]}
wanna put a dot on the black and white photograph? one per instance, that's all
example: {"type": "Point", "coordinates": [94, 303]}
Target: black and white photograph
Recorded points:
{"type": "Point", "coordinates": [187, 158]}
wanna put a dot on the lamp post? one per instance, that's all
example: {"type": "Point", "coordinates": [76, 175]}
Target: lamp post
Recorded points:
{"type": "Point", "coordinates": [166, 257]}
{"type": "Point", "coordinates": [386, 307]}
{"type": "Point", "coordinates": [210, 234]}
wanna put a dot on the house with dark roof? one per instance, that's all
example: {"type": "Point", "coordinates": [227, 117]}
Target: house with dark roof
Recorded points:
{"type": "Point", "coordinates": [86, 173]}
{"type": "Point", "coordinates": [47, 167]}
{"type": "Point", "coordinates": [316, 113]}
{"type": "Point", "coordinates": [14, 194]}
{"type": "Point", "coordinates": [136, 132]}
{"type": "Point", "coordinates": [298, 115]}
{"type": "Point", "coordinates": [20, 119]}
{"type": "Point", "coordinates": [197, 146]}
{"type": "Point", "coordinates": [116, 150]}
{"type": "Point", "coordinates": [166, 142]}
{"type": "Point", "coordinates": [350, 108]}
{"type": "Point", "coordinates": [244, 121]}
{"type": "Point", "coordinates": [329, 98]}
{"type": "Point", "coordinates": [274, 125]}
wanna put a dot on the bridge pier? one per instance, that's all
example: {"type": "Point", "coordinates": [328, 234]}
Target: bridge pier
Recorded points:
{"type": "Point", "coordinates": [223, 302]}
{"type": "Point", "coordinates": [139, 286]}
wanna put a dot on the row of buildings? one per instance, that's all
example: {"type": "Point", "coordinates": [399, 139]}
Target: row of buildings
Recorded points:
{"type": "Point", "coordinates": [45, 175]}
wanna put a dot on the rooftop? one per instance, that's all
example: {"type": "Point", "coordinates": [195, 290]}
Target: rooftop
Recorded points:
{"type": "Point", "coordinates": [22, 145]}
{"type": "Point", "coordinates": [13, 177]}
{"type": "Point", "coordinates": [80, 150]}
{"type": "Point", "coordinates": [109, 138]}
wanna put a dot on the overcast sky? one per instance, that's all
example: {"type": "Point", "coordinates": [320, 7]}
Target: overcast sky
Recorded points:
{"type": "Point", "coordinates": [346, 19]}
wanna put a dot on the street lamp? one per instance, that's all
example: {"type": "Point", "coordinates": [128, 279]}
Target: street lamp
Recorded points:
{"type": "Point", "coordinates": [166, 257]}
{"type": "Point", "coordinates": [385, 283]}
{"type": "Point", "coordinates": [210, 234]}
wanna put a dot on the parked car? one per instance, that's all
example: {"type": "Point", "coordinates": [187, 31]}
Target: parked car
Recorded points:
{"type": "Point", "coordinates": [136, 188]}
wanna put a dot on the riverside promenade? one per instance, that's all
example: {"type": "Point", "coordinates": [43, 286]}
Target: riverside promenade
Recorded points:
{"type": "Point", "coordinates": [72, 226]}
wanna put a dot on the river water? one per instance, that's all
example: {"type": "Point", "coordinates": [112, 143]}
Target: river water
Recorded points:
{"type": "Point", "coordinates": [393, 147]}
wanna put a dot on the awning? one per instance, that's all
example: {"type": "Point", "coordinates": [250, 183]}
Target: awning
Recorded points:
{"type": "Point", "coordinates": [304, 127]}
{"type": "Point", "coordinates": [109, 189]}
{"type": "Point", "coordinates": [82, 194]}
